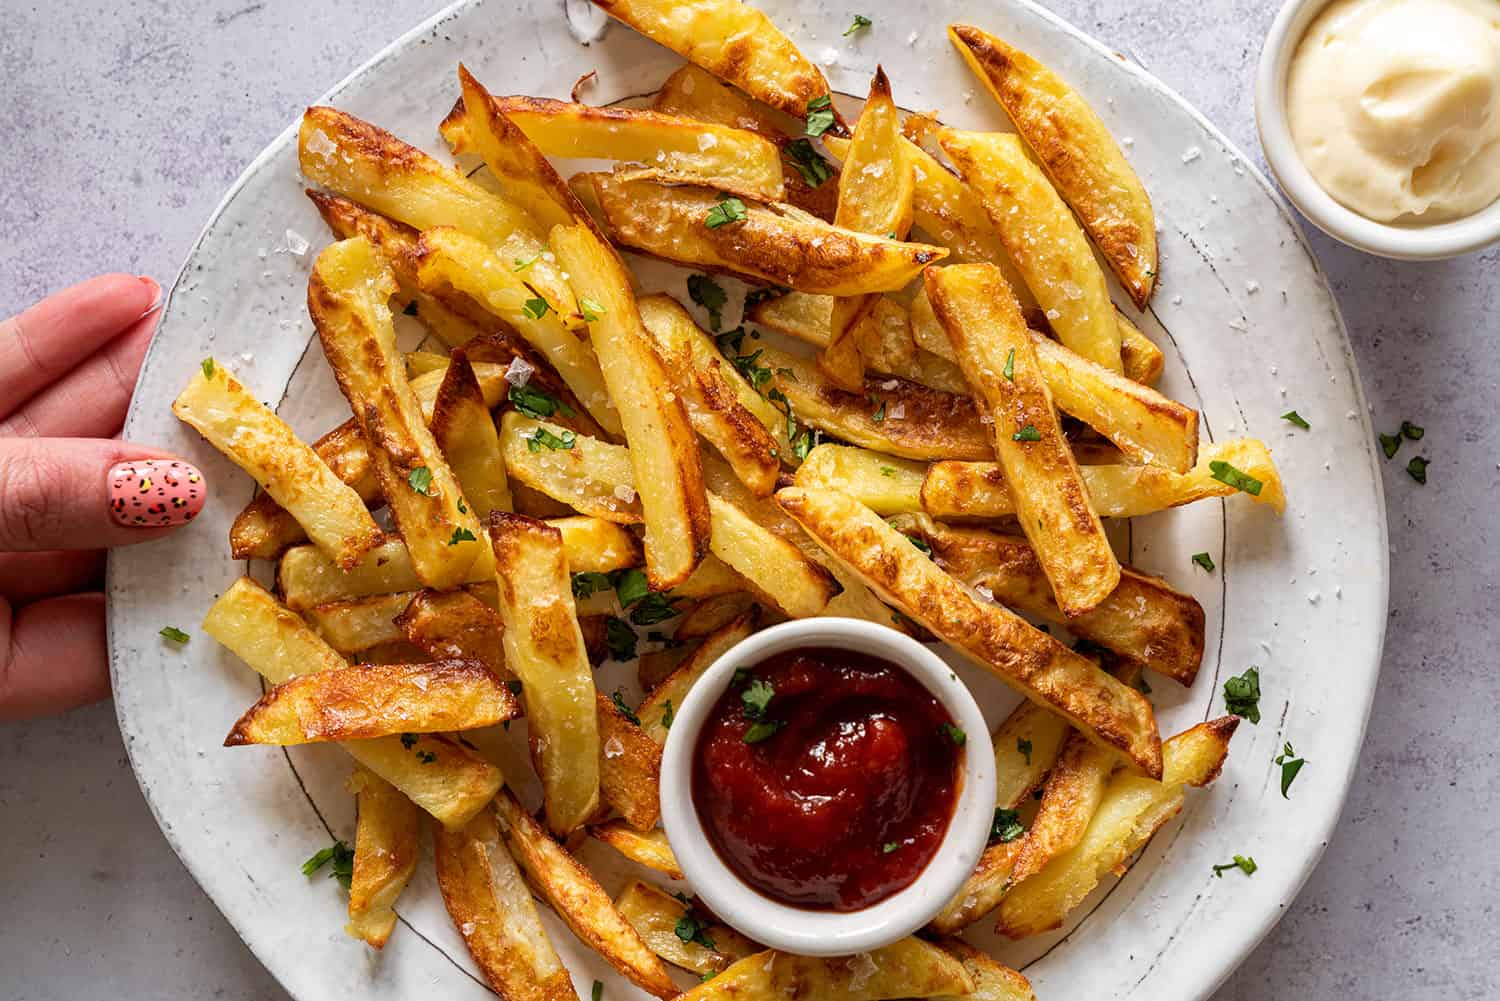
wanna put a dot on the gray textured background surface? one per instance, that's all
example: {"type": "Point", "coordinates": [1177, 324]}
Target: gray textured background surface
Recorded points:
{"type": "Point", "coordinates": [122, 124]}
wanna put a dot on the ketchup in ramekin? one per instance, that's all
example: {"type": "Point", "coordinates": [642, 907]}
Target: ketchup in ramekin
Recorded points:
{"type": "Point", "coordinates": [826, 779]}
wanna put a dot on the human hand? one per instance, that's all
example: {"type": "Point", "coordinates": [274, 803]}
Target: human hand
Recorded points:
{"type": "Point", "coordinates": [69, 490]}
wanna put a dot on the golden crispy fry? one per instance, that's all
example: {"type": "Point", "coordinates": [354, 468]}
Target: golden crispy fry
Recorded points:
{"type": "Point", "coordinates": [1074, 789]}
{"type": "Point", "coordinates": [544, 647]}
{"type": "Point", "coordinates": [663, 449]}
{"type": "Point", "coordinates": [995, 351]}
{"type": "Point", "coordinates": [992, 981]}
{"type": "Point", "coordinates": [734, 42]}
{"type": "Point", "coordinates": [456, 624]}
{"type": "Point", "coordinates": [373, 167]}
{"type": "Point", "coordinates": [585, 473]}
{"type": "Point", "coordinates": [356, 703]}
{"type": "Point", "coordinates": [660, 706]}
{"type": "Point", "coordinates": [451, 260]}
{"type": "Point", "coordinates": [347, 298]}
{"type": "Point", "coordinates": [774, 243]}
{"type": "Point", "coordinates": [993, 637]}
{"type": "Point", "coordinates": [1132, 808]}
{"type": "Point", "coordinates": [452, 784]}
{"type": "Point", "coordinates": [798, 586]}
{"type": "Point", "coordinates": [386, 848]}
{"type": "Point", "coordinates": [1142, 359]}
{"type": "Point", "coordinates": [1044, 241]}
{"type": "Point", "coordinates": [465, 432]}
{"type": "Point", "coordinates": [359, 624]}
{"type": "Point", "coordinates": [710, 615]}
{"type": "Point", "coordinates": [883, 483]}
{"type": "Point", "coordinates": [493, 910]}
{"type": "Point", "coordinates": [629, 767]}
{"type": "Point", "coordinates": [909, 968]}
{"type": "Point", "coordinates": [979, 490]}
{"type": "Point", "coordinates": [292, 474]}
{"type": "Point", "coordinates": [1144, 619]}
{"type": "Point", "coordinates": [570, 888]}
{"type": "Point", "coordinates": [721, 406]}
{"type": "Point", "coordinates": [649, 848]}
{"type": "Point", "coordinates": [656, 915]}
{"type": "Point", "coordinates": [1076, 150]}
{"type": "Point", "coordinates": [875, 193]}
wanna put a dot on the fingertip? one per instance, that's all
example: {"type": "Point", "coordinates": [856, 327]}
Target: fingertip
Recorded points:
{"type": "Point", "coordinates": [154, 289]}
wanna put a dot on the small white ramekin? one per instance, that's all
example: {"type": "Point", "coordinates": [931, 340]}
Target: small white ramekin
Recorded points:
{"type": "Point", "coordinates": [828, 933]}
{"type": "Point", "coordinates": [1409, 243]}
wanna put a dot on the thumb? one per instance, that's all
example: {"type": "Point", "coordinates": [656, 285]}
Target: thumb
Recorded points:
{"type": "Point", "coordinates": [78, 493]}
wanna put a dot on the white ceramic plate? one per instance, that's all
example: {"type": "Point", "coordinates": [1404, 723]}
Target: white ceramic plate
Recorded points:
{"type": "Point", "coordinates": [1249, 329]}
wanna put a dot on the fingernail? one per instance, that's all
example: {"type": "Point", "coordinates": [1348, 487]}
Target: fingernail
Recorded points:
{"type": "Point", "coordinates": [150, 493]}
{"type": "Point", "coordinates": [155, 288]}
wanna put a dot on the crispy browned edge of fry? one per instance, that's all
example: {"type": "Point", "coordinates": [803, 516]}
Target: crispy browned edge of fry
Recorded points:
{"type": "Point", "coordinates": [971, 957]}
{"type": "Point", "coordinates": [387, 847]}
{"type": "Point", "coordinates": [624, 840]}
{"type": "Point", "coordinates": [363, 685]}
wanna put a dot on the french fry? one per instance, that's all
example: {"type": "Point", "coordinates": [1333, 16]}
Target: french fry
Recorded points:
{"type": "Point", "coordinates": [456, 624]}
{"type": "Point", "coordinates": [465, 433]}
{"type": "Point", "coordinates": [797, 586]}
{"type": "Point", "coordinates": [718, 400]}
{"type": "Point", "coordinates": [656, 915]}
{"type": "Point", "coordinates": [710, 615]}
{"type": "Point", "coordinates": [992, 981]}
{"type": "Point", "coordinates": [568, 886]}
{"type": "Point", "coordinates": [875, 195]}
{"type": "Point", "coordinates": [292, 474]}
{"type": "Point", "coordinates": [649, 848]}
{"type": "Point", "coordinates": [629, 767]}
{"type": "Point", "coordinates": [452, 786]}
{"type": "Point", "coordinates": [883, 483]}
{"type": "Point", "coordinates": [1144, 619]}
{"type": "Point", "coordinates": [357, 703]}
{"type": "Point", "coordinates": [775, 244]}
{"type": "Point", "coordinates": [494, 912]}
{"type": "Point", "coordinates": [979, 489]}
{"type": "Point", "coordinates": [1044, 241]}
{"type": "Point", "coordinates": [1077, 151]}
{"type": "Point", "coordinates": [1142, 360]}
{"type": "Point", "coordinates": [993, 637]}
{"type": "Point", "coordinates": [656, 712]}
{"type": "Point", "coordinates": [544, 647]}
{"type": "Point", "coordinates": [583, 472]}
{"type": "Point", "coordinates": [663, 449]}
{"type": "Point", "coordinates": [908, 968]}
{"type": "Point", "coordinates": [1132, 809]}
{"type": "Point", "coordinates": [452, 260]}
{"type": "Point", "coordinates": [733, 41]}
{"type": "Point", "coordinates": [347, 298]}
{"type": "Point", "coordinates": [369, 165]}
{"type": "Point", "coordinates": [386, 849]}
{"type": "Point", "coordinates": [995, 351]}
{"type": "Point", "coordinates": [358, 624]}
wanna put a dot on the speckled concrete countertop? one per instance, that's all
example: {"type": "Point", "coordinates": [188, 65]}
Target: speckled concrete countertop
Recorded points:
{"type": "Point", "coordinates": [123, 123]}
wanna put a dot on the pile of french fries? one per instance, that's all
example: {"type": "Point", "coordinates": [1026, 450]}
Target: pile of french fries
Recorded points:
{"type": "Point", "coordinates": [966, 406]}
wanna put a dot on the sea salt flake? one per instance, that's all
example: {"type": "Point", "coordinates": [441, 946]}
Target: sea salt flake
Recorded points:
{"type": "Point", "coordinates": [519, 371]}
{"type": "Point", "coordinates": [1191, 153]}
{"type": "Point", "coordinates": [625, 492]}
{"type": "Point", "coordinates": [295, 244]}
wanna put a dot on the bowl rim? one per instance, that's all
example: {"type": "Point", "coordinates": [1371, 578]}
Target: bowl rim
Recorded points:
{"type": "Point", "coordinates": [814, 932]}
{"type": "Point", "coordinates": [1410, 243]}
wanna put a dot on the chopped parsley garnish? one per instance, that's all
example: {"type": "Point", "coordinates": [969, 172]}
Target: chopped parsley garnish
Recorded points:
{"type": "Point", "coordinates": [756, 296]}
{"type": "Point", "coordinates": [589, 583]}
{"type": "Point", "coordinates": [420, 480]}
{"type": "Point", "coordinates": [819, 115]}
{"type": "Point", "coordinates": [691, 928]}
{"type": "Point", "coordinates": [541, 436]}
{"type": "Point", "coordinates": [668, 714]}
{"type": "Point", "coordinates": [535, 308]}
{"type": "Point", "coordinates": [889, 847]}
{"type": "Point", "coordinates": [1412, 432]}
{"type": "Point", "coordinates": [763, 730]}
{"type": "Point", "coordinates": [411, 309]}
{"type": "Point", "coordinates": [1244, 863]}
{"type": "Point", "coordinates": [528, 262]}
{"type": "Point", "coordinates": [537, 404]}
{"type": "Point", "coordinates": [1009, 371]}
{"type": "Point", "coordinates": [1417, 469]}
{"type": "Point", "coordinates": [1292, 417]}
{"type": "Point", "coordinates": [1027, 433]}
{"type": "Point", "coordinates": [1390, 444]}
{"type": "Point", "coordinates": [1228, 475]}
{"type": "Point", "coordinates": [757, 698]}
{"type": "Point", "coordinates": [1290, 766]}
{"type": "Point", "coordinates": [1242, 695]}
{"type": "Point", "coordinates": [620, 639]}
{"type": "Point", "coordinates": [174, 634]}
{"type": "Point", "coordinates": [711, 296]}
{"type": "Point", "coordinates": [630, 585]}
{"type": "Point", "coordinates": [342, 857]}
{"type": "Point", "coordinates": [879, 414]}
{"type": "Point", "coordinates": [730, 209]}
{"type": "Point", "coordinates": [860, 21]}
{"type": "Point", "coordinates": [887, 470]}
{"type": "Point", "coordinates": [619, 700]}
{"type": "Point", "coordinates": [461, 535]}
{"type": "Point", "coordinates": [813, 168]}
{"type": "Point", "coordinates": [514, 686]}
{"type": "Point", "coordinates": [409, 740]}
{"type": "Point", "coordinates": [462, 507]}
{"type": "Point", "coordinates": [653, 608]}
{"type": "Point", "coordinates": [1024, 746]}
{"type": "Point", "coordinates": [1205, 561]}
{"type": "Point", "coordinates": [1007, 826]}
{"type": "Point", "coordinates": [597, 992]}
{"type": "Point", "coordinates": [920, 543]}
{"type": "Point", "coordinates": [426, 757]}
{"type": "Point", "coordinates": [705, 978]}
{"type": "Point", "coordinates": [955, 734]}
{"type": "Point", "coordinates": [805, 443]}
{"type": "Point", "coordinates": [208, 368]}
{"type": "Point", "coordinates": [590, 309]}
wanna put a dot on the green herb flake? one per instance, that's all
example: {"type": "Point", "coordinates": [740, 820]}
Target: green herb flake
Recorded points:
{"type": "Point", "coordinates": [1290, 766]}
{"type": "Point", "coordinates": [1390, 444]}
{"type": "Point", "coordinates": [620, 639]}
{"type": "Point", "coordinates": [1024, 747]}
{"type": "Point", "coordinates": [711, 296]}
{"type": "Point", "coordinates": [1242, 695]}
{"type": "Point", "coordinates": [954, 733]}
{"type": "Point", "coordinates": [409, 740]}
{"type": "Point", "coordinates": [757, 698]}
{"type": "Point", "coordinates": [426, 757]}
{"type": "Point", "coordinates": [1244, 863]}
{"type": "Point", "coordinates": [537, 404]}
{"type": "Point", "coordinates": [461, 535]}
{"type": "Point", "coordinates": [342, 857]}
{"type": "Point", "coordinates": [1292, 417]}
{"type": "Point", "coordinates": [588, 583]}
{"type": "Point", "coordinates": [920, 543]}
{"type": "Point", "coordinates": [668, 714]}
{"type": "Point", "coordinates": [522, 265]}
{"type": "Point", "coordinates": [705, 978]}
{"type": "Point", "coordinates": [514, 686]}
{"type": "Point", "coordinates": [860, 22]}
{"type": "Point", "coordinates": [619, 700]}
{"type": "Point", "coordinates": [1229, 476]}
{"type": "Point", "coordinates": [596, 993]}
{"type": "Point", "coordinates": [653, 608]}
{"type": "Point", "coordinates": [1009, 371]}
{"type": "Point", "coordinates": [535, 308]}
{"type": "Point", "coordinates": [690, 928]}
{"type": "Point", "coordinates": [541, 437]}
{"type": "Point", "coordinates": [879, 414]}
{"type": "Point", "coordinates": [420, 480]}
{"type": "Point", "coordinates": [1412, 432]}
{"type": "Point", "coordinates": [1030, 433]}
{"type": "Point", "coordinates": [462, 507]}
{"type": "Point", "coordinates": [1205, 561]}
{"type": "Point", "coordinates": [174, 634]}
{"type": "Point", "coordinates": [889, 847]}
{"type": "Point", "coordinates": [1007, 826]}
{"type": "Point", "coordinates": [208, 368]}
{"type": "Point", "coordinates": [630, 585]}
{"type": "Point", "coordinates": [729, 209]}
{"type": "Point", "coordinates": [813, 168]}
{"type": "Point", "coordinates": [1417, 469]}
{"type": "Point", "coordinates": [887, 470]}
{"type": "Point", "coordinates": [819, 115]}
{"type": "Point", "coordinates": [590, 309]}
{"type": "Point", "coordinates": [763, 730]}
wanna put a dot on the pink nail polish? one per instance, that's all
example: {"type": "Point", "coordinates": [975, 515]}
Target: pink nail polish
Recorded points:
{"type": "Point", "coordinates": [150, 493]}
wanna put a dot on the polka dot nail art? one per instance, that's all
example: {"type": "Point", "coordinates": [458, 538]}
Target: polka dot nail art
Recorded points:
{"type": "Point", "coordinates": [151, 493]}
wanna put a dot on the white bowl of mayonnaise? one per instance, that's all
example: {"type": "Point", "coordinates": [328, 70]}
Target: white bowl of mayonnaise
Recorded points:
{"type": "Point", "coordinates": [1381, 121]}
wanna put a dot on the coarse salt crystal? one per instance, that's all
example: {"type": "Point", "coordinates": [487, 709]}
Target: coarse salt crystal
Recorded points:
{"type": "Point", "coordinates": [519, 371]}
{"type": "Point", "coordinates": [1191, 153]}
{"type": "Point", "coordinates": [1238, 323]}
{"type": "Point", "coordinates": [896, 412]}
{"type": "Point", "coordinates": [707, 140]}
{"type": "Point", "coordinates": [1252, 286]}
{"type": "Point", "coordinates": [911, 39]}
{"type": "Point", "coordinates": [613, 748]}
{"type": "Point", "coordinates": [296, 244]}
{"type": "Point", "coordinates": [829, 56]}
{"type": "Point", "coordinates": [1177, 300]}
{"type": "Point", "coordinates": [625, 492]}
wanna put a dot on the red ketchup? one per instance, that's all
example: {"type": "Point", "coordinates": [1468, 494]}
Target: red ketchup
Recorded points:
{"type": "Point", "coordinates": [826, 779]}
